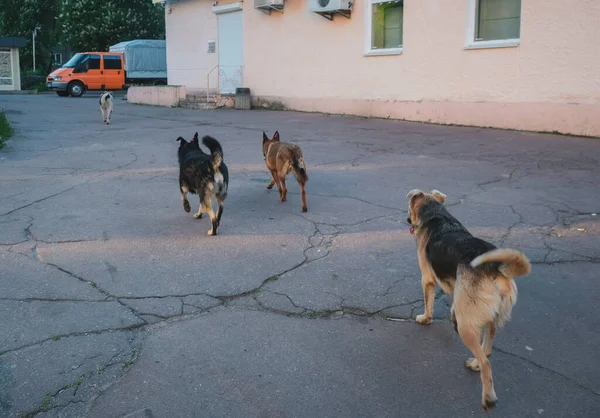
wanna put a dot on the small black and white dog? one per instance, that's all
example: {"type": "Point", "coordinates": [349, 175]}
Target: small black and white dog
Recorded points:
{"type": "Point", "coordinates": [106, 106]}
{"type": "Point", "coordinates": [203, 174]}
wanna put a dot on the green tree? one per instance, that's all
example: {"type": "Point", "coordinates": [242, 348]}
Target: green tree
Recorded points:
{"type": "Point", "coordinates": [97, 24]}
{"type": "Point", "coordinates": [20, 18]}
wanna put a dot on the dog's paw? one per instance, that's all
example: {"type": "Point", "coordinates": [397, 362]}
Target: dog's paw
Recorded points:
{"type": "Point", "coordinates": [304, 209]}
{"type": "Point", "coordinates": [283, 199]}
{"type": "Point", "coordinates": [423, 319]}
{"type": "Point", "coordinates": [489, 401]}
{"type": "Point", "coordinates": [186, 206]}
{"type": "Point", "coordinates": [197, 215]}
{"type": "Point", "coordinates": [211, 233]}
{"type": "Point", "coordinates": [270, 186]}
{"type": "Point", "coordinates": [472, 364]}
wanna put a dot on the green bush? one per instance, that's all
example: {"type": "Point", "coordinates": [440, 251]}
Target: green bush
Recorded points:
{"type": "Point", "coordinates": [6, 130]}
{"type": "Point", "coordinates": [31, 81]}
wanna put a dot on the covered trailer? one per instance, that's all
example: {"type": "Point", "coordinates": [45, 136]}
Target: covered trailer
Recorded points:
{"type": "Point", "coordinates": [145, 61]}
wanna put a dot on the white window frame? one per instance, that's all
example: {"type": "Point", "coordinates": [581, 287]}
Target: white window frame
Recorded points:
{"type": "Point", "coordinates": [471, 43]}
{"type": "Point", "coordinates": [369, 52]}
{"type": "Point", "coordinates": [55, 60]}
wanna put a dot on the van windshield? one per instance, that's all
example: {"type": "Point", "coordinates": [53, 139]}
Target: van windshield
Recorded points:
{"type": "Point", "coordinates": [77, 58]}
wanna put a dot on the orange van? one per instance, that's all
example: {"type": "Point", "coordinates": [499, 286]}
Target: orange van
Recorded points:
{"type": "Point", "coordinates": [88, 71]}
{"type": "Point", "coordinates": [141, 61]}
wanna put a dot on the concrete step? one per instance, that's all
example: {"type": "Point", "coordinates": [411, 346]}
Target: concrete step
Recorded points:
{"type": "Point", "coordinates": [197, 96]}
{"type": "Point", "coordinates": [197, 104]}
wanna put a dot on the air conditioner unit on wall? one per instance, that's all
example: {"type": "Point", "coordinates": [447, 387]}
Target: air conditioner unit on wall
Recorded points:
{"type": "Point", "coordinates": [266, 6]}
{"type": "Point", "coordinates": [327, 8]}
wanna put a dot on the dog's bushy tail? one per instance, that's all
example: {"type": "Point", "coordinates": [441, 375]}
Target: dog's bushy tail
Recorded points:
{"type": "Point", "coordinates": [299, 168]}
{"type": "Point", "coordinates": [513, 263]}
{"type": "Point", "coordinates": [215, 150]}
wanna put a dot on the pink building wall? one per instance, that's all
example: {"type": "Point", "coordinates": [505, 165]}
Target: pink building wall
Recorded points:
{"type": "Point", "coordinates": [550, 82]}
{"type": "Point", "coordinates": [190, 25]}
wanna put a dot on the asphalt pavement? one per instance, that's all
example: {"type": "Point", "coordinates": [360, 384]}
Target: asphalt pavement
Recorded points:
{"type": "Point", "coordinates": [114, 302]}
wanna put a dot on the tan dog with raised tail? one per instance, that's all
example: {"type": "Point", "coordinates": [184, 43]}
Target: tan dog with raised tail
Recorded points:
{"type": "Point", "coordinates": [479, 275]}
{"type": "Point", "coordinates": [283, 158]}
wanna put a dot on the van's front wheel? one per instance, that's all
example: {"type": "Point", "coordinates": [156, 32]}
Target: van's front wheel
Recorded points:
{"type": "Point", "coordinates": [75, 88]}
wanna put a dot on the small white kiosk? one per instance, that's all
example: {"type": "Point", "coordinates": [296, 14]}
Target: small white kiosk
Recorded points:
{"type": "Point", "coordinates": [10, 71]}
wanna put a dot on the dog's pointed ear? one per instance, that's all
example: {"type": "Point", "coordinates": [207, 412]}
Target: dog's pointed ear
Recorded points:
{"type": "Point", "coordinates": [181, 139]}
{"type": "Point", "coordinates": [441, 197]}
{"type": "Point", "coordinates": [195, 137]}
{"type": "Point", "coordinates": [265, 137]}
{"type": "Point", "coordinates": [414, 193]}
{"type": "Point", "coordinates": [276, 136]}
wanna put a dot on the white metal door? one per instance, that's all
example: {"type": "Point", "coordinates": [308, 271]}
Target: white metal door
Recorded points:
{"type": "Point", "coordinates": [231, 52]}
{"type": "Point", "coordinates": [6, 71]}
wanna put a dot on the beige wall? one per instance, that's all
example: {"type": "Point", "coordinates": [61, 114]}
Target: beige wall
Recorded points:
{"type": "Point", "coordinates": [549, 82]}
{"type": "Point", "coordinates": [16, 69]}
{"type": "Point", "coordinates": [190, 25]}
{"type": "Point", "coordinates": [168, 96]}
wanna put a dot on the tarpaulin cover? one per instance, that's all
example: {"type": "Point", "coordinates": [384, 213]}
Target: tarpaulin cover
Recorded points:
{"type": "Point", "coordinates": [144, 58]}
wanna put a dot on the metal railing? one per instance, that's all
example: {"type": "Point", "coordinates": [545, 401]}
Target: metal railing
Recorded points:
{"type": "Point", "coordinates": [224, 79]}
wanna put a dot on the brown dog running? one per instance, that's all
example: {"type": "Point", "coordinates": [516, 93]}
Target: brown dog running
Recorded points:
{"type": "Point", "coordinates": [479, 275]}
{"type": "Point", "coordinates": [283, 158]}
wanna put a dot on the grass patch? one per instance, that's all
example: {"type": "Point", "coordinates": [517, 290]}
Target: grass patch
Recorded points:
{"type": "Point", "coordinates": [318, 314]}
{"type": "Point", "coordinates": [76, 382]}
{"type": "Point", "coordinates": [56, 338]}
{"type": "Point", "coordinates": [271, 279]}
{"type": "Point", "coordinates": [46, 402]}
{"type": "Point", "coordinates": [6, 131]}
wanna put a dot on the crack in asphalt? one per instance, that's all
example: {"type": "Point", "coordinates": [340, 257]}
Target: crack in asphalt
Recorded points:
{"type": "Point", "coordinates": [48, 402]}
{"type": "Point", "coordinates": [12, 244]}
{"type": "Point", "coordinates": [43, 409]}
{"type": "Point", "coordinates": [550, 263]}
{"type": "Point", "coordinates": [290, 299]}
{"type": "Point", "coordinates": [56, 300]}
{"type": "Point", "coordinates": [510, 228]}
{"type": "Point", "coordinates": [81, 279]}
{"type": "Point", "coordinates": [39, 200]}
{"type": "Point", "coordinates": [74, 334]}
{"type": "Point", "coordinates": [324, 240]}
{"type": "Point", "coordinates": [307, 260]}
{"type": "Point", "coordinates": [320, 239]}
{"type": "Point", "coordinates": [175, 295]}
{"type": "Point", "coordinates": [101, 173]}
{"type": "Point", "coordinates": [548, 369]}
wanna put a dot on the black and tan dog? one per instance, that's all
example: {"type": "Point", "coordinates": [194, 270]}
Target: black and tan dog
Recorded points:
{"type": "Point", "coordinates": [203, 174]}
{"type": "Point", "coordinates": [479, 275]}
{"type": "Point", "coordinates": [283, 158]}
